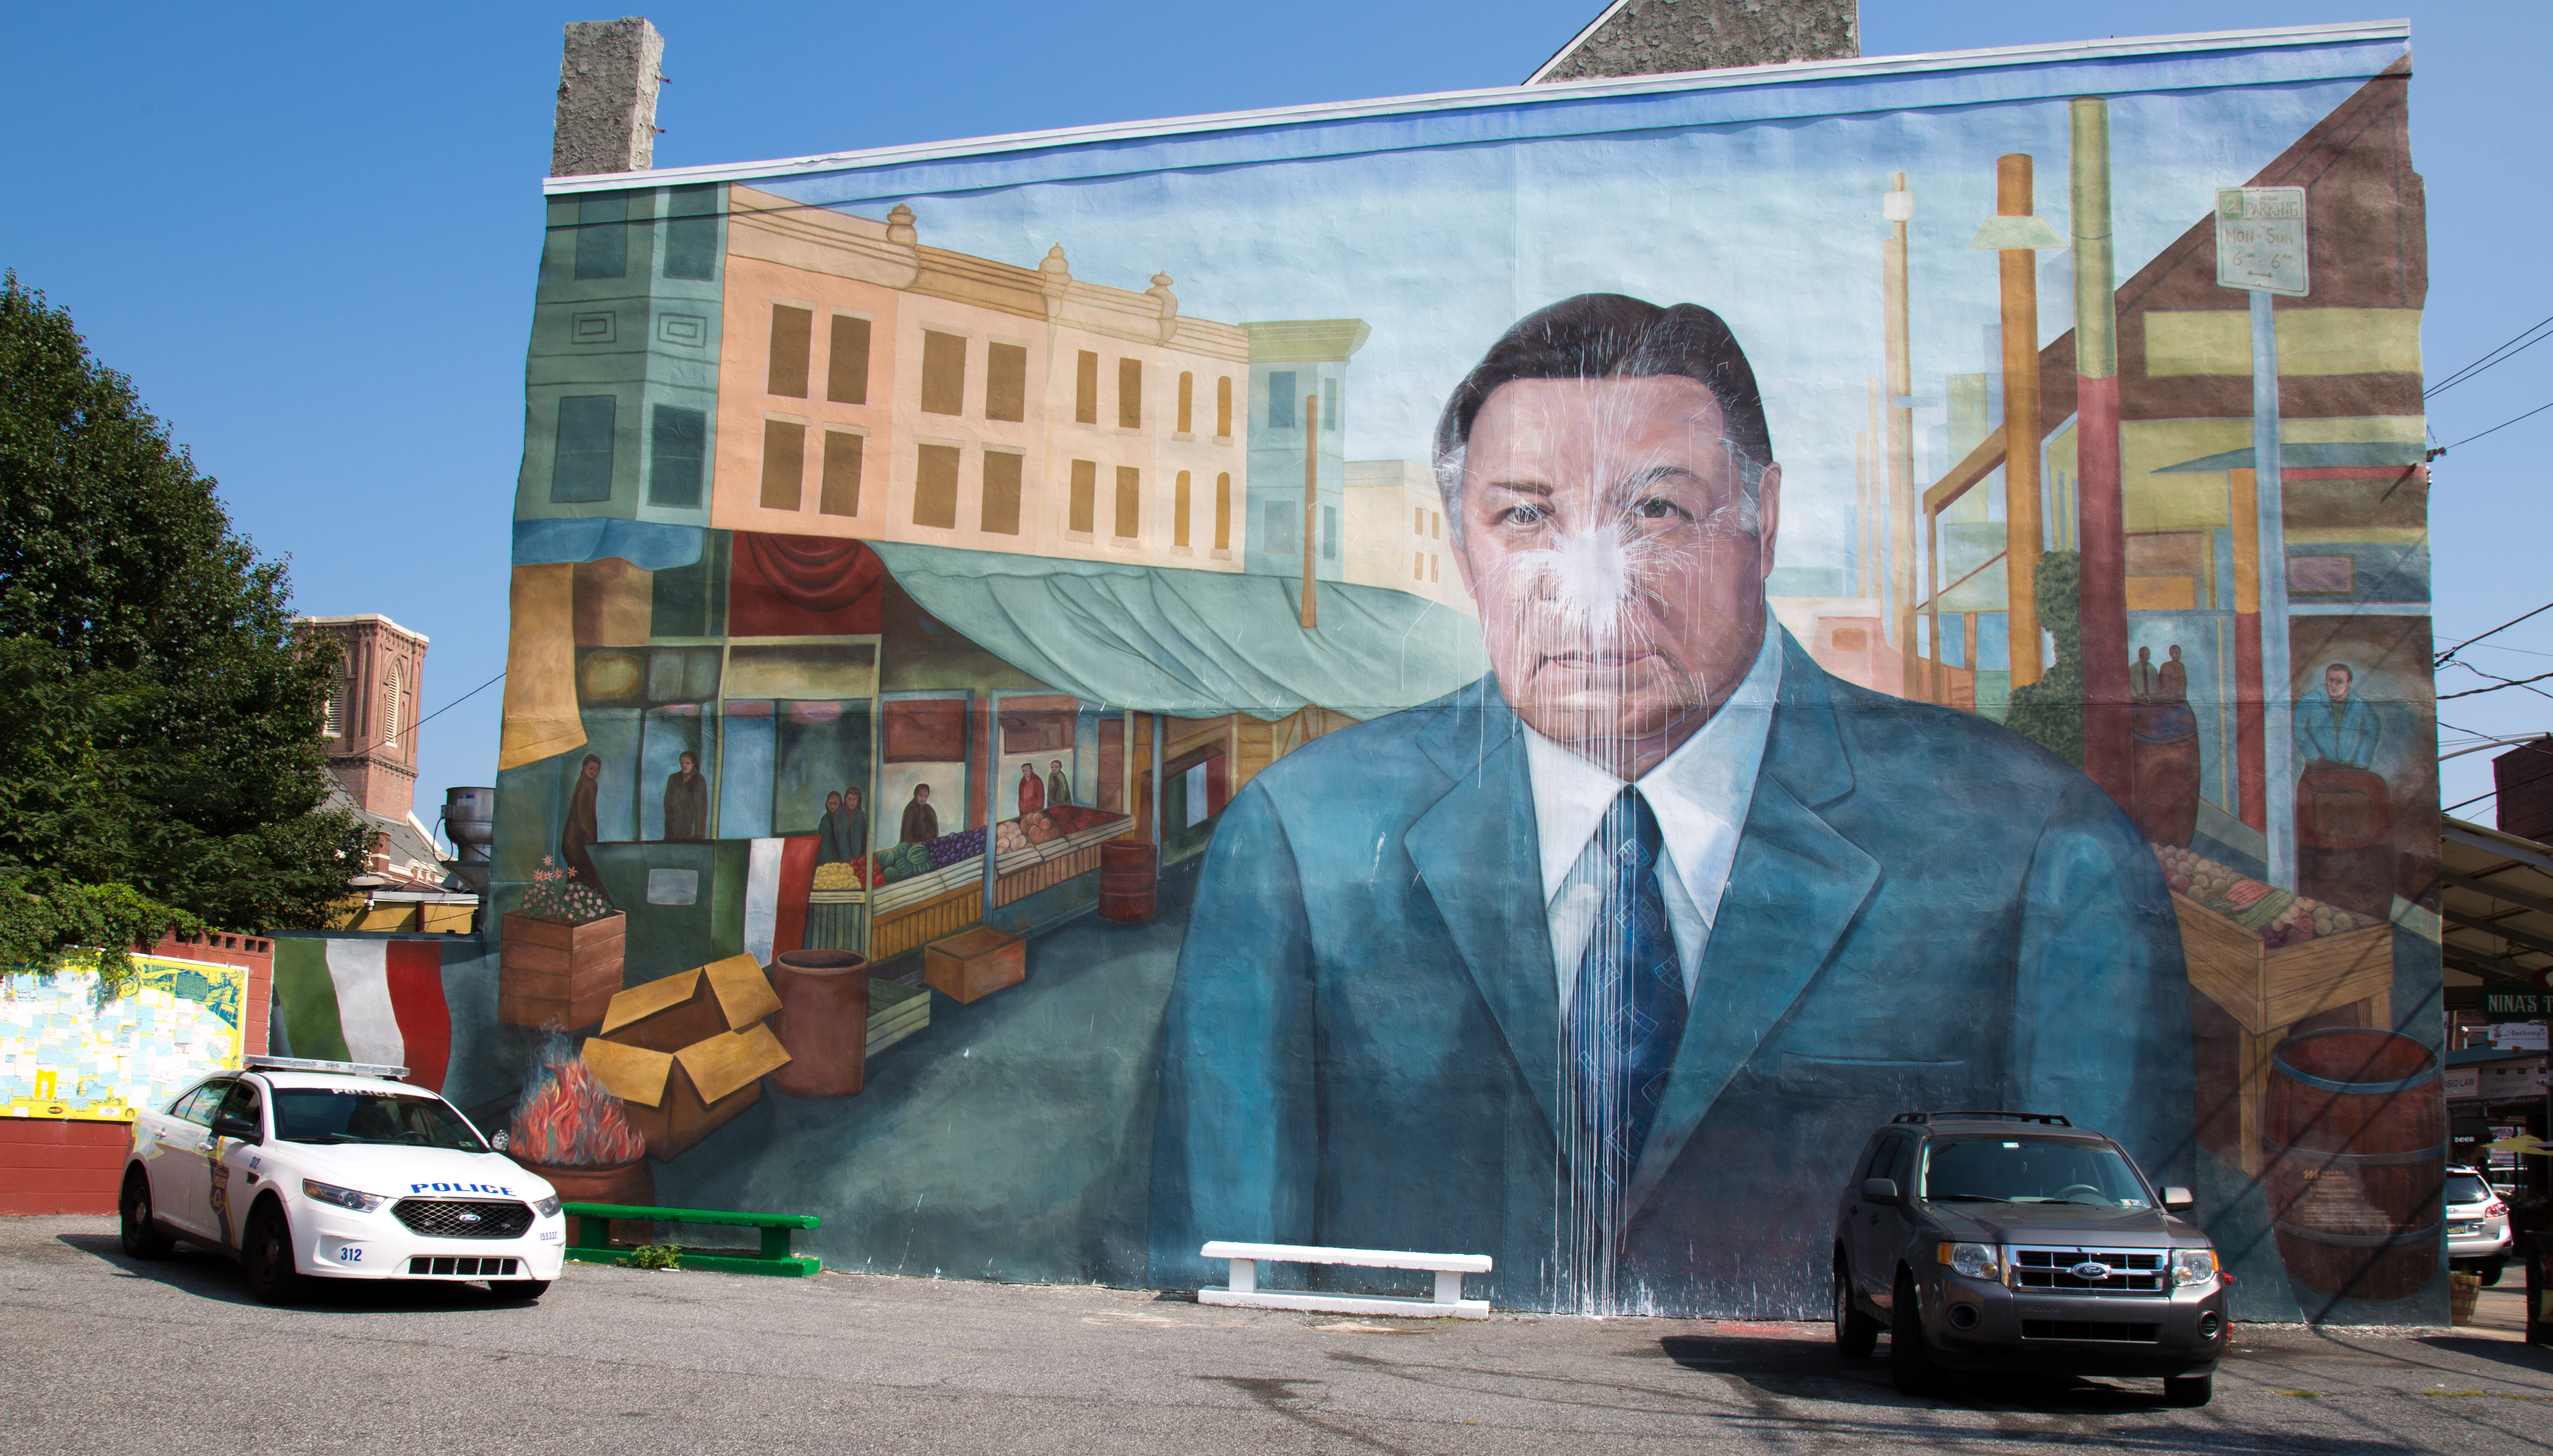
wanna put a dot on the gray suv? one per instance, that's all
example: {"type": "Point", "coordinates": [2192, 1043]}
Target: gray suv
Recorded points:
{"type": "Point", "coordinates": [2018, 1243]}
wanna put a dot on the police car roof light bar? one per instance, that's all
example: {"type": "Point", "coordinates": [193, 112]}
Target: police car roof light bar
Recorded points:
{"type": "Point", "coordinates": [2050, 1119]}
{"type": "Point", "coordinates": [342, 1069]}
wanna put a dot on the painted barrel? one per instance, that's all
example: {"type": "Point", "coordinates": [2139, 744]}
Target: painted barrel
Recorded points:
{"type": "Point", "coordinates": [824, 1021]}
{"type": "Point", "coordinates": [2356, 1134]}
{"type": "Point", "coordinates": [2345, 837]}
{"type": "Point", "coordinates": [2164, 755]}
{"type": "Point", "coordinates": [1129, 880]}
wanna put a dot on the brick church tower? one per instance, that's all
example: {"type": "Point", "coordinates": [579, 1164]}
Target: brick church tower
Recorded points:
{"type": "Point", "coordinates": [371, 732]}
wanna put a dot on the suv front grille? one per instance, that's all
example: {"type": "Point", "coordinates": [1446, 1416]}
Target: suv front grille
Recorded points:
{"type": "Point", "coordinates": [2089, 1330]}
{"type": "Point", "coordinates": [449, 1218]}
{"type": "Point", "coordinates": [2052, 1271]}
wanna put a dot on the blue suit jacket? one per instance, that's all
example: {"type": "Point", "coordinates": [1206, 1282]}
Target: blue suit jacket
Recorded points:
{"type": "Point", "coordinates": [1925, 911]}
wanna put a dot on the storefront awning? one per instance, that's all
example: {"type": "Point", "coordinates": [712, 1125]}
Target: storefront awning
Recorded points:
{"type": "Point", "coordinates": [2496, 906]}
{"type": "Point", "coordinates": [1193, 643]}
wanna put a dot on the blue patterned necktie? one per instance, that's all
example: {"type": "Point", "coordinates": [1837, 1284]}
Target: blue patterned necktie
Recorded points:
{"type": "Point", "coordinates": [1626, 1013]}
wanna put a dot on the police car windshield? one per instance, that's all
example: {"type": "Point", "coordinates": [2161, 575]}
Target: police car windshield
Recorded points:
{"type": "Point", "coordinates": [2030, 1170]}
{"type": "Point", "coordinates": [331, 1115]}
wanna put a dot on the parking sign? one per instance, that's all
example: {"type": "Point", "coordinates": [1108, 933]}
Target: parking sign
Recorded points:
{"type": "Point", "coordinates": [2261, 239]}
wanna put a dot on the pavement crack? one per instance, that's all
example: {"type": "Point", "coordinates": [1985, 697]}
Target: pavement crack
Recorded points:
{"type": "Point", "coordinates": [1276, 1397]}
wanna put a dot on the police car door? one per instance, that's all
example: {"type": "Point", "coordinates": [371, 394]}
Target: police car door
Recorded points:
{"type": "Point", "coordinates": [231, 1172]}
{"type": "Point", "coordinates": [183, 1145]}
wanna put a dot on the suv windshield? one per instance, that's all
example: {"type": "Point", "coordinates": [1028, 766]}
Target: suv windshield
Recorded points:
{"type": "Point", "coordinates": [2029, 1171]}
{"type": "Point", "coordinates": [404, 1119]}
{"type": "Point", "coordinates": [2467, 1188]}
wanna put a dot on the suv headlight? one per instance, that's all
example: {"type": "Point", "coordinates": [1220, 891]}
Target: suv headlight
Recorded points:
{"type": "Point", "coordinates": [547, 1207]}
{"type": "Point", "coordinates": [2192, 1267]}
{"type": "Point", "coordinates": [311, 1188]}
{"type": "Point", "coordinates": [1969, 1260]}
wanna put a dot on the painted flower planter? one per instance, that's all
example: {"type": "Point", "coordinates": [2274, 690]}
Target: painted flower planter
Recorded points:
{"type": "Point", "coordinates": [551, 972]}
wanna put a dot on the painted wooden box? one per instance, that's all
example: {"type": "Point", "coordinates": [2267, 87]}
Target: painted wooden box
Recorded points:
{"type": "Point", "coordinates": [977, 963]}
{"type": "Point", "coordinates": [553, 972]}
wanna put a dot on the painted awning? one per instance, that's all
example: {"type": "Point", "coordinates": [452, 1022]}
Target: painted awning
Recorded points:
{"type": "Point", "coordinates": [1193, 643]}
{"type": "Point", "coordinates": [2344, 454]}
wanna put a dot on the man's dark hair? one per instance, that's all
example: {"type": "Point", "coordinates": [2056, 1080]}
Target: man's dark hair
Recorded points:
{"type": "Point", "coordinates": [1597, 336]}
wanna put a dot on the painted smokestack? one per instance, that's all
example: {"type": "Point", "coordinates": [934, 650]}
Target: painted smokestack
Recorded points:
{"type": "Point", "coordinates": [2100, 514]}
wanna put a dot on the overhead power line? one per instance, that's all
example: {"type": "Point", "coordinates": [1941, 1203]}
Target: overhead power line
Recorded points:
{"type": "Point", "coordinates": [2502, 683]}
{"type": "Point", "coordinates": [2495, 429]}
{"type": "Point", "coordinates": [2449, 655]}
{"type": "Point", "coordinates": [2532, 335]}
{"type": "Point", "coordinates": [431, 717]}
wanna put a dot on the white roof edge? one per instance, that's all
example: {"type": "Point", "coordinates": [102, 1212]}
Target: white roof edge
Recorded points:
{"type": "Point", "coordinates": [1576, 41]}
{"type": "Point", "coordinates": [357, 618]}
{"type": "Point", "coordinates": [1735, 76]}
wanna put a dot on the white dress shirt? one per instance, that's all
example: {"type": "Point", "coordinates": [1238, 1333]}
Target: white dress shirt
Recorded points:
{"type": "Point", "coordinates": [1699, 794]}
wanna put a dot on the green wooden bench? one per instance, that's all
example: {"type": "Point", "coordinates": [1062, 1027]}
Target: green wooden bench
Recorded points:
{"type": "Point", "coordinates": [592, 1242]}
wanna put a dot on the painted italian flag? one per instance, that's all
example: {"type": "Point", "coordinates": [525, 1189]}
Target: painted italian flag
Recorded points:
{"type": "Point", "coordinates": [365, 1000]}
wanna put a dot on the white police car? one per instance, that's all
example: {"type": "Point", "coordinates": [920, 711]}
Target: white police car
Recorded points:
{"type": "Point", "coordinates": [336, 1170]}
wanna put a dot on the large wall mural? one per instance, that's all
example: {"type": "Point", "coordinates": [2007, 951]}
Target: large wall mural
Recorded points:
{"type": "Point", "coordinates": [1507, 673]}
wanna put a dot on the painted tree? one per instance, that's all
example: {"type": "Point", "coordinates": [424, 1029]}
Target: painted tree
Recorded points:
{"type": "Point", "coordinates": [160, 759]}
{"type": "Point", "coordinates": [2050, 712]}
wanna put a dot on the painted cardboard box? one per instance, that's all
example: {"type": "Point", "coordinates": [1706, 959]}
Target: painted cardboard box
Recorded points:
{"type": "Point", "coordinates": [688, 1052]}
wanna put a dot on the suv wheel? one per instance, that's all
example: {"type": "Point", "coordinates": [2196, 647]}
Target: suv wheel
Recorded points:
{"type": "Point", "coordinates": [1855, 1334]}
{"type": "Point", "coordinates": [2488, 1271]}
{"type": "Point", "coordinates": [141, 1239]}
{"type": "Point", "coordinates": [268, 1253]}
{"type": "Point", "coordinates": [1910, 1355]}
{"type": "Point", "coordinates": [2192, 1390]}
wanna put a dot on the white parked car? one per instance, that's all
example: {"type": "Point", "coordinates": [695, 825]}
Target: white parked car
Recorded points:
{"type": "Point", "coordinates": [2478, 1233]}
{"type": "Point", "coordinates": [336, 1171]}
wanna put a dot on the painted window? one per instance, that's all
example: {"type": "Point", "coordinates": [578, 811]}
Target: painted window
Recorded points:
{"type": "Point", "coordinates": [1130, 501]}
{"type": "Point", "coordinates": [1006, 381]}
{"type": "Point", "coordinates": [1223, 510]}
{"type": "Point", "coordinates": [1329, 534]}
{"type": "Point", "coordinates": [1280, 400]}
{"type": "Point", "coordinates": [1223, 406]}
{"type": "Point", "coordinates": [935, 486]}
{"type": "Point", "coordinates": [1085, 387]}
{"type": "Point", "coordinates": [847, 363]}
{"type": "Point", "coordinates": [1187, 402]}
{"type": "Point", "coordinates": [603, 235]}
{"type": "Point", "coordinates": [943, 374]}
{"type": "Point", "coordinates": [1179, 513]}
{"type": "Point", "coordinates": [1002, 493]}
{"type": "Point", "coordinates": [580, 467]}
{"type": "Point", "coordinates": [1084, 501]}
{"type": "Point", "coordinates": [691, 232]}
{"type": "Point", "coordinates": [1129, 393]}
{"type": "Point", "coordinates": [677, 455]}
{"type": "Point", "coordinates": [839, 494]}
{"type": "Point", "coordinates": [1329, 404]}
{"type": "Point", "coordinates": [1280, 530]}
{"type": "Point", "coordinates": [784, 464]}
{"type": "Point", "coordinates": [792, 332]}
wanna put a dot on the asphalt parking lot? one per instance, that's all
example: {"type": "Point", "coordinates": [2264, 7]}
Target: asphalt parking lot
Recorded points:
{"type": "Point", "coordinates": [109, 1355]}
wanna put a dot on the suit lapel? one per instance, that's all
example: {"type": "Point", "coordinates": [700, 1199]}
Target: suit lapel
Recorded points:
{"type": "Point", "coordinates": [1477, 856]}
{"type": "Point", "coordinates": [1794, 889]}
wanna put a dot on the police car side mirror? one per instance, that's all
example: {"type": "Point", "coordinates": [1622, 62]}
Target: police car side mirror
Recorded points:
{"type": "Point", "coordinates": [2178, 1201]}
{"type": "Point", "coordinates": [235, 1127]}
{"type": "Point", "coordinates": [500, 1140]}
{"type": "Point", "coordinates": [1881, 1190]}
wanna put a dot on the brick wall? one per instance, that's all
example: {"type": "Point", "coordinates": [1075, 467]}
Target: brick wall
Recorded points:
{"type": "Point", "coordinates": [52, 1166]}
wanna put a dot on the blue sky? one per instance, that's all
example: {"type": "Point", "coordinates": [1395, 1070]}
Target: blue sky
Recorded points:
{"type": "Point", "coordinates": [309, 235]}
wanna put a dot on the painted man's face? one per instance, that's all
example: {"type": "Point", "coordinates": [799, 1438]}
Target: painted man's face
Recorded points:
{"type": "Point", "coordinates": [922, 794]}
{"type": "Point", "coordinates": [2335, 683]}
{"type": "Point", "coordinates": [832, 802]}
{"type": "Point", "coordinates": [1603, 537]}
{"type": "Point", "coordinates": [689, 763]}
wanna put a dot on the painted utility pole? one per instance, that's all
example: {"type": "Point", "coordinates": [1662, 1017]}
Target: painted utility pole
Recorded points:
{"type": "Point", "coordinates": [2100, 510]}
{"type": "Point", "coordinates": [1899, 208]}
{"type": "Point", "coordinates": [2261, 250]}
{"type": "Point", "coordinates": [1311, 506]}
{"type": "Point", "coordinates": [2013, 235]}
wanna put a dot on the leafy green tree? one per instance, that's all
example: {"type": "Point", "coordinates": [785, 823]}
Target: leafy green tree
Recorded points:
{"type": "Point", "coordinates": [160, 759]}
{"type": "Point", "coordinates": [2050, 712]}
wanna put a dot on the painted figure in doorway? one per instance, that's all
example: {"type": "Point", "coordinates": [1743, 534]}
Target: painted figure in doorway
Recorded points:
{"type": "Point", "coordinates": [581, 827]}
{"type": "Point", "coordinates": [1058, 784]}
{"type": "Point", "coordinates": [2340, 729]}
{"type": "Point", "coordinates": [921, 820]}
{"type": "Point", "coordinates": [686, 799]}
{"type": "Point", "coordinates": [2141, 680]}
{"type": "Point", "coordinates": [843, 836]}
{"type": "Point", "coordinates": [1031, 790]}
{"type": "Point", "coordinates": [1766, 902]}
{"type": "Point", "coordinates": [2171, 683]}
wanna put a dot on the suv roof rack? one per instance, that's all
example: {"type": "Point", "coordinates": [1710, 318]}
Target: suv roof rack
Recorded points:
{"type": "Point", "coordinates": [2047, 1119]}
{"type": "Point", "coordinates": [262, 1063]}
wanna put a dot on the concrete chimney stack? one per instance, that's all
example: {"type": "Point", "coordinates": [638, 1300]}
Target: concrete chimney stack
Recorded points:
{"type": "Point", "coordinates": [606, 97]}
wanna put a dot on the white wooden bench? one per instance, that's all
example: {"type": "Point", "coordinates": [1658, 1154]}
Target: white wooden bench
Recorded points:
{"type": "Point", "coordinates": [1449, 1270]}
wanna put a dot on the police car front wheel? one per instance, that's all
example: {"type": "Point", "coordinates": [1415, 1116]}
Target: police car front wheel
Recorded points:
{"type": "Point", "coordinates": [268, 1253]}
{"type": "Point", "coordinates": [526, 1290]}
